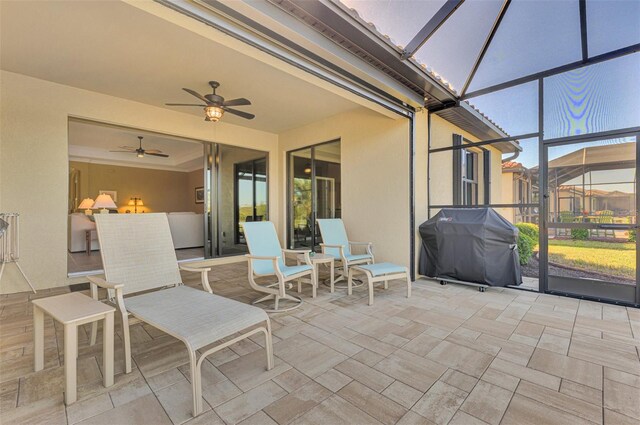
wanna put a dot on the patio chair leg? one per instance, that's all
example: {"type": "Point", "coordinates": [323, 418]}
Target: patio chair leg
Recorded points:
{"type": "Point", "coordinates": [196, 386]}
{"type": "Point", "coordinates": [127, 342]}
{"type": "Point", "coordinates": [314, 283]}
{"type": "Point", "coordinates": [386, 284]}
{"type": "Point", "coordinates": [269, 345]}
{"type": "Point", "coordinates": [408, 283]}
{"type": "Point", "coordinates": [265, 298]}
{"type": "Point", "coordinates": [276, 303]}
{"type": "Point", "coordinates": [350, 283]}
{"type": "Point", "coordinates": [299, 286]}
{"type": "Point", "coordinates": [370, 284]}
{"type": "Point", "coordinates": [332, 276]}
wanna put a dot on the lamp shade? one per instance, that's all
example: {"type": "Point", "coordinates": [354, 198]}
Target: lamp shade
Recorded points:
{"type": "Point", "coordinates": [104, 201]}
{"type": "Point", "coordinates": [87, 203]}
{"type": "Point", "coordinates": [135, 202]}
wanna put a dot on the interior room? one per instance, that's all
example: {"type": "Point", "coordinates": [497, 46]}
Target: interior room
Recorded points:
{"type": "Point", "coordinates": [165, 175]}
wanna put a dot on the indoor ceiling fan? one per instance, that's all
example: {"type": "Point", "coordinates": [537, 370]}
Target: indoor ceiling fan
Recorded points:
{"type": "Point", "coordinates": [215, 106]}
{"type": "Point", "coordinates": [140, 153]}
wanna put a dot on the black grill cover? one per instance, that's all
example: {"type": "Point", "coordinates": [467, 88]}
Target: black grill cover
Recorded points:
{"type": "Point", "coordinates": [472, 245]}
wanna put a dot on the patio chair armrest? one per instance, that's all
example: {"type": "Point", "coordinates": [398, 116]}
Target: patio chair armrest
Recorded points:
{"type": "Point", "coordinates": [326, 245]}
{"type": "Point", "coordinates": [98, 281]}
{"type": "Point", "coordinates": [369, 246]}
{"type": "Point", "coordinates": [340, 249]}
{"type": "Point", "coordinates": [204, 275]}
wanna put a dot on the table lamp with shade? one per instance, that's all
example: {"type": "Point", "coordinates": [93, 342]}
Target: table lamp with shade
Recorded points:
{"type": "Point", "coordinates": [103, 203]}
{"type": "Point", "coordinates": [135, 203]}
{"type": "Point", "coordinates": [86, 205]}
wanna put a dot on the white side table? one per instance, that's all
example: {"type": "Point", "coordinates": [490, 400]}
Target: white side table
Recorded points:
{"type": "Point", "coordinates": [72, 310]}
{"type": "Point", "coordinates": [316, 260]}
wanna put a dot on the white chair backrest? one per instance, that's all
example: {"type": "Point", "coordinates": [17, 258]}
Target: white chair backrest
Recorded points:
{"type": "Point", "coordinates": [334, 233]}
{"type": "Point", "coordinates": [137, 251]}
{"type": "Point", "coordinates": [262, 241]}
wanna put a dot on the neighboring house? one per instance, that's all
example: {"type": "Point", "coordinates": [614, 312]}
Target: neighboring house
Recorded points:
{"type": "Point", "coordinates": [519, 186]}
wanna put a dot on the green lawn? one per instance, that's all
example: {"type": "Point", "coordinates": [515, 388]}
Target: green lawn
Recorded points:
{"type": "Point", "coordinates": [614, 258]}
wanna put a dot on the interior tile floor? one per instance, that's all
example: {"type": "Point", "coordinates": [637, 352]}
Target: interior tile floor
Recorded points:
{"type": "Point", "coordinates": [447, 355]}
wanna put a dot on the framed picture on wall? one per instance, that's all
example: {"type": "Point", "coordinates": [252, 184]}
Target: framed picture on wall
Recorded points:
{"type": "Point", "coordinates": [112, 193]}
{"type": "Point", "coordinates": [199, 195]}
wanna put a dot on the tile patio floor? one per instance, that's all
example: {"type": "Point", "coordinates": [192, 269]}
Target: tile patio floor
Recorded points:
{"type": "Point", "coordinates": [449, 354]}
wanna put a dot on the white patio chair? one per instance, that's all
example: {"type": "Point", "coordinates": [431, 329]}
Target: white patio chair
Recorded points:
{"type": "Point", "coordinates": [336, 244]}
{"type": "Point", "coordinates": [266, 258]}
{"type": "Point", "coordinates": [138, 256]}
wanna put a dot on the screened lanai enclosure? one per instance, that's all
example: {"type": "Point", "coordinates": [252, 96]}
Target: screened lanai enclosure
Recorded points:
{"type": "Point", "coordinates": [556, 85]}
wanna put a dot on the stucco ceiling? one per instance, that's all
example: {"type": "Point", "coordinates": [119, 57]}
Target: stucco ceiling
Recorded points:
{"type": "Point", "coordinates": [117, 49]}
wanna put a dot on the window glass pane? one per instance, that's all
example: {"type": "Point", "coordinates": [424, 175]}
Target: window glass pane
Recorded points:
{"type": "Point", "coordinates": [600, 97]}
{"type": "Point", "coordinates": [515, 109]}
{"type": "Point", "coordinates": [612, 25]}
{"type": "Point", "coordinates": [300, 223]}
{"type": "Point", "coordinates": [241, 197]}
{"type": "Point", "coordinates": [399, 19]}
{"type": "Point", "coordinates": [534, 36]}
{"type": "Point", "coordinates": [453, 49]}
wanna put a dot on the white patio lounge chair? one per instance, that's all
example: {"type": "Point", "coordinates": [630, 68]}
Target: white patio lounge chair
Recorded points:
{"type": "Point", "coordinates": [336, 244]}
{"type": "Point", "coordinates": [266, 258]}
{"type": "Point", "coordinates": [138, 256]}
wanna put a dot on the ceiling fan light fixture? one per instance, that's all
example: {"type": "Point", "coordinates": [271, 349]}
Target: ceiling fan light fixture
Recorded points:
{"type": "Point", "coordinates": [214, 113]}
{"type": "Point", "coordinates": [140, 154]}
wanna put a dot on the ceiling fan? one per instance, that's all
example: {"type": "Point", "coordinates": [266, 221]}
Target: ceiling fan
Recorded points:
{"type": "Point", "coordinates": [140, 153]}
{"type": "Point", "coordinates": [215, 106]}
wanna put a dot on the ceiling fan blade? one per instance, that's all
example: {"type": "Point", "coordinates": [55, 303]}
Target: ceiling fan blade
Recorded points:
{"type": "Point", "coordinates": [198, 95]}
{"type": "Point", "coordinates": [152, 151]}
{"type": "Point", "coordinates": [184, 104]}
{"type": "Point", "coordinates": [237, 102]}
{"type": "Point", "coordinates": [123, 151]}
{"type": "Point", "coordinates": [239, 113]}
{"type": "Point", "coordinates": [127, 148]}
{"type": "Point", "coordinates": [156, 154]}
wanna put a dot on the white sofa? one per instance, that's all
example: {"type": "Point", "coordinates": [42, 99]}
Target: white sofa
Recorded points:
{"type": "Point", "coordinates": [187, 229]}
{"type": "Point", "coordinates": [77, 241]}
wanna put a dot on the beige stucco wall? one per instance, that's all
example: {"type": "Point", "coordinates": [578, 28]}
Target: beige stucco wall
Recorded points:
{"type": "Point", "coordinates": [34, 161]}
{"type": "Point", "coordinates": [375, 177]}
{"type": "Point", "coordinates": [441, 187]}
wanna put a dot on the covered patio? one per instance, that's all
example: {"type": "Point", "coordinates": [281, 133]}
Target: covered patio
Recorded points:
{"type": "Point", "coordinates": [449, 354]}
{"type": "Point", "coordinates": [374, 115]}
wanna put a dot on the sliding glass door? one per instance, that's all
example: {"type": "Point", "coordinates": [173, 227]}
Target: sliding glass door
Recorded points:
{"type": "Point", "coordinates": [314, 192]}
{"type": "Point", "coordinates": [592, 216]}
{"type": "Point", "coordinates": [237, 191]}
{"type": "Point", "coordinates": [251, 194]}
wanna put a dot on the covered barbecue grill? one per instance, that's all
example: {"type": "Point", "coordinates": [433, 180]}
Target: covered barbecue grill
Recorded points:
{"type": "Point", "coordinates": [470, 245]}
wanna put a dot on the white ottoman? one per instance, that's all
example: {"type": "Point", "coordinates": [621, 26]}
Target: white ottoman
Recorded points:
{"type": "Point", "coordinates": [381, 272]}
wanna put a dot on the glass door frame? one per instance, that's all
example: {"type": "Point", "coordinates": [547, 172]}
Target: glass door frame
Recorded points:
{"type": "Point", "coordinates": [590, 289]}
{"type": "Point", "coordinates": [212, 190]}
{"type": "Point", "coordinates": [290, 212]}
